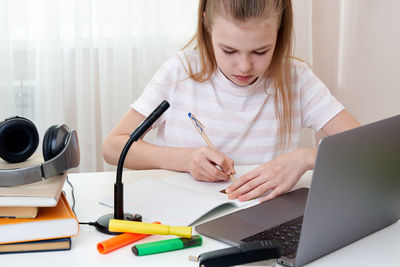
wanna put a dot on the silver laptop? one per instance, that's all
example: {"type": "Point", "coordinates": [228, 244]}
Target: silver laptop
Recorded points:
{"type": "Point", "coordinates": [355, 191]}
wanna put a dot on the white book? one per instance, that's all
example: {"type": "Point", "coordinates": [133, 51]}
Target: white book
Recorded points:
{"type": "Point", "coordinates": [40, 194]}
{"type": "Point", "coordinates": [177, 199]}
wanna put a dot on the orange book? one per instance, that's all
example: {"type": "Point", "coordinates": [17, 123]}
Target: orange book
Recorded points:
{"type": "Point", "coordinates": [50, 223]}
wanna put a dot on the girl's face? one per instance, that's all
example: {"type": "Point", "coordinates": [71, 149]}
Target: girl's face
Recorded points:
{"type": "Point", "coordinates": [243, 50]}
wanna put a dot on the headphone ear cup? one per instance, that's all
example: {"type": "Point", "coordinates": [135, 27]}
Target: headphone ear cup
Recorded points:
{"type": "Point", "coordinates": [46, 146]}
{"type": "Point", "coordinates": [19, 139]}
{"type": "Point", "coordinates": [54, 141]}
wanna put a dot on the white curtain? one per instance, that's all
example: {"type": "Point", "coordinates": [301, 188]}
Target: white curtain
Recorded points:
{"type": "Point", "coordinates": [83, 62]}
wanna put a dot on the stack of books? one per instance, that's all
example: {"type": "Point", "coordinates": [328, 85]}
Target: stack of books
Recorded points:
{"type": "Point", "coordinates": [35, 217]}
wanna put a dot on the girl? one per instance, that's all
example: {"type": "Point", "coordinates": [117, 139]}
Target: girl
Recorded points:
{"type": "Point", "coordinates": [243, 85]}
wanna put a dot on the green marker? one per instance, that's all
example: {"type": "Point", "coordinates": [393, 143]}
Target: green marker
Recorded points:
{"type": "Point", "coordinates": [166, 245]}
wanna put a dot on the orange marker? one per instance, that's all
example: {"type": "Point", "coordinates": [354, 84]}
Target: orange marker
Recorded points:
{"type": "Point", "coordinates": [119, 241]}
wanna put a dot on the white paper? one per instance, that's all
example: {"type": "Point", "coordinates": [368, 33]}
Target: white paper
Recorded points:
{"type": "Point", "coordinates": [176, 200]}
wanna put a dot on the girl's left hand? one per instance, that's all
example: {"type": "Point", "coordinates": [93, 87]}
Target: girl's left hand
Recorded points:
{"type": "Point", "coordinates": [278, 175]}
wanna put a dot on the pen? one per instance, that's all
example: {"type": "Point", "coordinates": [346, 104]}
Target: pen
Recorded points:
{"type": "Point", "coordinates": [119, 241]}
{"type": "Point", "coordinates": [200, 129]}
{"type": "Point", "coordinates": [166, 245]}
{"type": "Point", "coordinates": [148, 228]}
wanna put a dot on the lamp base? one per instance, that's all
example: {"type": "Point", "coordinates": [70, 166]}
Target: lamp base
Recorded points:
{"type": "Point", "coordinates": [102, 223]}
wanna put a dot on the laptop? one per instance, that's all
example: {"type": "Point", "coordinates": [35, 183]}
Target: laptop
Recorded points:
{"type": "Point", "coordinates": [355, 191]}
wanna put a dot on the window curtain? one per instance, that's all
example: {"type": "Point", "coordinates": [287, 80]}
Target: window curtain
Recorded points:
{"type": "Point", "coordinates": [84, 62]}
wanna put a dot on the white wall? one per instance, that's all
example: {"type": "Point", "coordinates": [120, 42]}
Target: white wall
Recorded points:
{"type": "Point", "coordinates": [356, 53]}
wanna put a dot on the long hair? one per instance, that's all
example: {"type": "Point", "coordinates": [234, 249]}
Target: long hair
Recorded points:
{"type": "Point", "coordinates": [279, 70]}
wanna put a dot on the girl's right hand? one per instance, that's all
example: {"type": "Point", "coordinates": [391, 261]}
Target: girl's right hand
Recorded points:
{"type": "Point", "coordinates": [209, 165]}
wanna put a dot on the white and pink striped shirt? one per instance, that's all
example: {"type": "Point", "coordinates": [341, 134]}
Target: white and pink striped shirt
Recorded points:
{"type": "Point", "coordinates": [240, 121]}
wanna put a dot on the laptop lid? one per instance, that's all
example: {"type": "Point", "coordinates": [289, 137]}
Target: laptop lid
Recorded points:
{"type": "Point", "coordinates": [354, 192]}
{"type": "Point", "coordinates": [355, 189]}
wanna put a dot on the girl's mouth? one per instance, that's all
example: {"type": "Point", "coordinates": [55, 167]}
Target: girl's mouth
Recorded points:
{"type": "Point", "coordinates": [243, 79]}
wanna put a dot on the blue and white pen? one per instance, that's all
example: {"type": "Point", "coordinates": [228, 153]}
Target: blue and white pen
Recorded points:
{"type": "Point", "coordinates": [200, 128]}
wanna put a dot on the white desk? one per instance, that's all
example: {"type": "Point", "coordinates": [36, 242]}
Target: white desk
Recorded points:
{"type": "Point", "coordinates": [379, 249]}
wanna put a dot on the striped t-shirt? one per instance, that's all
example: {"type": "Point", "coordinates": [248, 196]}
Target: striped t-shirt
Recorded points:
{"type": "Point", "coordinates": [240, 121]}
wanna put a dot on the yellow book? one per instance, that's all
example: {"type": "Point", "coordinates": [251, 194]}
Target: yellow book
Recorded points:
{"type": "Point", "coordinates": [18, 212]}
{"type": "Point", "coordinates": [51, 222]}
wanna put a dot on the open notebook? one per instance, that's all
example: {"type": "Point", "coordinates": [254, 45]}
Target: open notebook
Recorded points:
{"type": "Point", "coordinates": [178, 199]}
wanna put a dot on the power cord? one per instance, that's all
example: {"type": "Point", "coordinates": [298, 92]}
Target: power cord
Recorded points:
{"type": "Point", "coordinates": [73, 204]}
{"type": "Point", "coordinates": [72, 195]}
{"type": "Point", "coordinates": [96, 224]}
{"type": "Point", "coordinates": [89, 223]}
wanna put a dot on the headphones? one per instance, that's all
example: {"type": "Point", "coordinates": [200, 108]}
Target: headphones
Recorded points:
{"type": "Point", "coordinates": [19, 139]}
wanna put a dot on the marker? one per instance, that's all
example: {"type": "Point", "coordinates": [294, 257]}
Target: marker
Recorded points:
{"type": "Point", "coordinates": [148, 228]}
{"type": "Point", "coordinates": [166, 245]}
{"type": "Point", "coordinates": [119, 241]}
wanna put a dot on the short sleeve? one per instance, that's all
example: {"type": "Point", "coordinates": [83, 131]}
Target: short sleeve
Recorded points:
{"type": "Point", "coordinates": [158, 89]}
{"type": "Point", "coordinates": [318, 105]}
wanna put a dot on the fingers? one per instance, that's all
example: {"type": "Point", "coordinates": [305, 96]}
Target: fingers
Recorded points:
{"type": "Point", "coordinates": [209, 165]}
{"type": "Point", "coordinates": [209, 173]}
{"type": "Point", "coordinates": [257, 183]}
{"type": "Point", "coordinates": [236, 188]}
{"type": "Point", "coordinates": [203, 177]}
{"type": "Point", "coordinates": [214, 174]}
{"type": "Point", "coordinates": [274, 193]}
{"type": "Point", "coordinates": [225, 163]}
{"type": "Point", "coordinates": [257, 191]}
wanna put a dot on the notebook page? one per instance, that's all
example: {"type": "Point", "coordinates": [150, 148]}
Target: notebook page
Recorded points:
{"type": "Point", "coordinates": [169, 204]}
{"type": "Point", "coordinates": [178, 199]}
{"type": "Point", "coordinates": [185, 180]}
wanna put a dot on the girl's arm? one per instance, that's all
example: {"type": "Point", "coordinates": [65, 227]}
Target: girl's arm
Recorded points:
{"type": "Point", "coordinates": [283, 172]}
{"type": "Point", "coordinates": [341, 122]}
{"type": "Point", "coordinates": [200, 162]}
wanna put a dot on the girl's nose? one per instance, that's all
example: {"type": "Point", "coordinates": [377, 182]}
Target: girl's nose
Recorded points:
{"type": "Point", "coordinates": [245, 64]}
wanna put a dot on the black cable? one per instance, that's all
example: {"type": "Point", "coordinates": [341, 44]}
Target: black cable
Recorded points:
{"type": "Point", "coordinates": [73, 204]}
{"type": "Point", "coordinates": [89, 223]}
{"type": "Point", "coordinates": [73, 195]}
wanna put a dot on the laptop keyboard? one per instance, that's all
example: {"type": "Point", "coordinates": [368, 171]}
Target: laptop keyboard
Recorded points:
{"type": "Point", "coordinates": [286, 234]}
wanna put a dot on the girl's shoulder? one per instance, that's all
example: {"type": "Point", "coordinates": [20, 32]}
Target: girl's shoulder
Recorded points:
{"type": "Point", "coordinates": [182, 60]}
{"type": "Point", "coordinates": [299, 66]}
{"type": "Point", "coordinates": [189, 59]}
{"type": "Point", "coordinates": [175, 67]}
{"type": "Point", "coordinates": [302, 74]}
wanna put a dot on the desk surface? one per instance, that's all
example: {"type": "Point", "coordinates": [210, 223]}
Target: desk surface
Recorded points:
{"type": "Point", "coordinates": [378, 249]}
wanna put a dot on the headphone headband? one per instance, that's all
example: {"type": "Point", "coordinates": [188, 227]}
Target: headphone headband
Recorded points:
{"type": "Point", "coordinates": [68, 158]}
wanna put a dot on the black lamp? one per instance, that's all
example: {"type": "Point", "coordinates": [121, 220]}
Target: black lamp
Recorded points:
{"type": "Point", "coordinates": [102, 223]}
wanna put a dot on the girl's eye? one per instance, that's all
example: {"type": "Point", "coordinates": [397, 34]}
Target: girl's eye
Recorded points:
{"type": "Point", "coordinates": [260, 52]}
{"type": "Point", "coordinates": [228, 52]}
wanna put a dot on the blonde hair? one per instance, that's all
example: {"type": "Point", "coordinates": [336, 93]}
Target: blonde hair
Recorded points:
{"type": "Point", "coordinates": [279, 70]}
